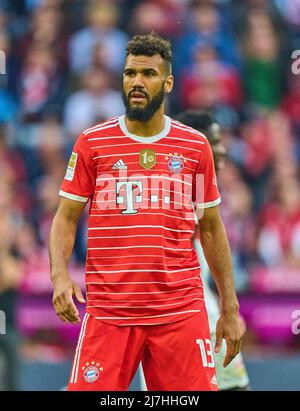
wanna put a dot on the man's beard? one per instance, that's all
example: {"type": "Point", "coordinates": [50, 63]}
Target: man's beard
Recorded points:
{"type": "Point", "coordinates": [146, 113]}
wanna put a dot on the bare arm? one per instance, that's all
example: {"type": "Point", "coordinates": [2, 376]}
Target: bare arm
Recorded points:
{"type": "Point", "coordinates": [62, 237]}
{"type": "Point", "coordinates": [217, 253]}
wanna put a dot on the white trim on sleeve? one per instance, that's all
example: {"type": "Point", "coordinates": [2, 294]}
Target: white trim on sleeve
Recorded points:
{"type": "Point", "coordinates": [73, 196]}
{"type": "Point", "coordinates": [209, 204]}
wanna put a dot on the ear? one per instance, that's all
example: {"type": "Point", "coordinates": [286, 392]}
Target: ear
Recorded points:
{"type": "Point", "coordinates": [169, 82]}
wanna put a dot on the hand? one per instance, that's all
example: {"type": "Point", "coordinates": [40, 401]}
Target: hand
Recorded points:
{"type": "Point", "coordinates": [64, 290]}
{"type": "Point", "coordinates": [229, 326]}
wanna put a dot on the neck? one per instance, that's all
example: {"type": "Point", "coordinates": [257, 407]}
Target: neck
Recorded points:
{"type": "Point", "coordinates": [147, 129]}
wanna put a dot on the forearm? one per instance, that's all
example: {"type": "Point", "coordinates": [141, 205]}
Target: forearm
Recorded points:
{"type": "Point", "coordinates": [62, 238]}
{"type": "Point", "coordinates": [217, 253]}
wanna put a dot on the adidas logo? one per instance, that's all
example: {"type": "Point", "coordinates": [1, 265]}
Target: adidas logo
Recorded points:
{"type": "Point", "coordinates": [214, 380]}
{"type": "Point", "coordinates": [119, 165]}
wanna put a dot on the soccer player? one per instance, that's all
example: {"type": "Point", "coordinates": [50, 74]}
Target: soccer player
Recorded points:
{"type": "Point", "coordinates": [144, 174]}
{"type": "Point", "coordinates": [234, 376]}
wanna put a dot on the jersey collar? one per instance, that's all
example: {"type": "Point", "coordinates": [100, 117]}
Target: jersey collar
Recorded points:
{"type": "Point", "coordinates": [151, 139]}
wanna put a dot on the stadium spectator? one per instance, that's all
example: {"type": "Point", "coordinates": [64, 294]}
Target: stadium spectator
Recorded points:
{"type": "Point", "coordinates": [96, 101]}
{"type": "Point", "coordinates": [101, 29]}
{"type": "Point", "coordinates": [263, 68]}
{"type": "Point", "coordinates": [162, 16]}
{"type": "Point", "coordinates": [205, 25]}
{"type": "Point", "coordinates": [209, 81]}
{"type": "Point", "coordinates": [291, 100]}
{"type": "Point", "coordinates": [46, 30]}
{"type": "Point", "coordinates": [40, 83]}
{"type": "Point", "coordinates": [279, 226]}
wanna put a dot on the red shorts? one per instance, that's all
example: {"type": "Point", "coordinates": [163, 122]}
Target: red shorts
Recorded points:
{"type": "Point", "coordinates": [175, 357]}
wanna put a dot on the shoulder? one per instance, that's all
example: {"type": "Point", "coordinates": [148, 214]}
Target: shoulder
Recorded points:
{"type": "Point", "coordinates": [86, 141]}
{"type": "Point", "coordinates": [103, 129]}
{"type": "Point", "coordinates": [187, 132]}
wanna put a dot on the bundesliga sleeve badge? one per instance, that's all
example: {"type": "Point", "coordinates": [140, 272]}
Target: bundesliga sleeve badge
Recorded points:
{"type": "Point", "coordinates": [71, 167]}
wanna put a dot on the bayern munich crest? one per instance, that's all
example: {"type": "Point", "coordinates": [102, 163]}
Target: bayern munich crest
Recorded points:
{"type": "Point", "coordinates": [91, 371]}
{"type": "Point", "coordinates": [175, 162]}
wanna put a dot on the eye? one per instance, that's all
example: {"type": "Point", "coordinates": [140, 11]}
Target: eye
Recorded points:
{"type": "Point", "coordinates": [149, 73]}
{"type": "Point", "coordinates": [129, 73]}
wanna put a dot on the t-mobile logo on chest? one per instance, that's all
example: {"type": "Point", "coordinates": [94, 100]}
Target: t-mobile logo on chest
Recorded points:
{"type": "Point", "coordinates": [129, 194]}
{"type": "Point", "coordinates": [133, 195]}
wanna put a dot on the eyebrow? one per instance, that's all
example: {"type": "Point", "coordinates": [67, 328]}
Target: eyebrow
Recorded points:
{"type": "Point", "coordinates": [144, 70]}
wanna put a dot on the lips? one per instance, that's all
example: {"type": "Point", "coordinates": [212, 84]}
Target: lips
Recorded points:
{"type": "Point", "coordinates": [137, 95]}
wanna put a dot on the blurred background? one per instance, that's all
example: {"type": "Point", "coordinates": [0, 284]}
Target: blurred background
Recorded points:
{"type": "Point", "coordinates": [63, 64]}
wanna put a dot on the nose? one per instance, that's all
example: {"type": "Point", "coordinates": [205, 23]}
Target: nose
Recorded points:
{"type": "Point", "coordinates": [138, 80]}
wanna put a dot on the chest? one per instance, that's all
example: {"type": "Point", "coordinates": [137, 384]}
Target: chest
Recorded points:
{"type": "Point", "coordinates": [133, 176]}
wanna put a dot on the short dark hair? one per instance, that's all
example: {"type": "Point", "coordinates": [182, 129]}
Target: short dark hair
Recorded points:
{"type": "Point", "coordinates": [198, 119]}
{"type": "Point", "coordinates": [149, 45]}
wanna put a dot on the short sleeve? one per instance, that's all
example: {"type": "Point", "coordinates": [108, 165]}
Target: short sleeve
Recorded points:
{"type": "Point", "coordinates": [79, 180]}
{"type": "Point", "coordinates": [205, 189]}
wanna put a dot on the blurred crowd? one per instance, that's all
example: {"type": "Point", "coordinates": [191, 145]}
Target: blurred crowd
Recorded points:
{"type": "Point", "coordinates": [61, 73]}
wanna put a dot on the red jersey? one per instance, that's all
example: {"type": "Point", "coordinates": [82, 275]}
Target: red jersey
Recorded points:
{"type": "Point", "coordinates": [141, 267]}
